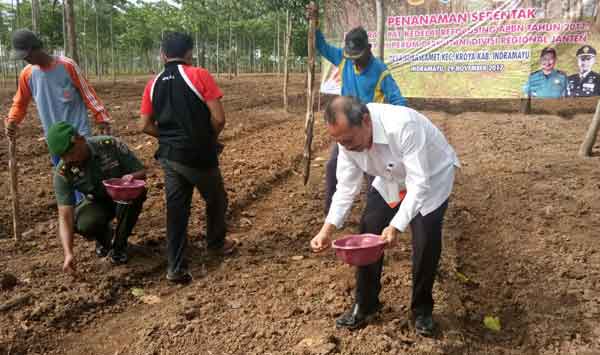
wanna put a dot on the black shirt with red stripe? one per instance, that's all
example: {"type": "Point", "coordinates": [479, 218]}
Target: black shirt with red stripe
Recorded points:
{"type": "Point", "coordinates": [176, 100]}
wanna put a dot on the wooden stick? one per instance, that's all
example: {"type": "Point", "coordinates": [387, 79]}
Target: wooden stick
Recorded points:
{"type": "Point", "coordinates": [526, 105]}
{"type": "Point", "coordinates": [310, 115]}
{"type": "Point", "coordinates": [14, 191]}
{"type": "Point", "coordinates": [590, 137]}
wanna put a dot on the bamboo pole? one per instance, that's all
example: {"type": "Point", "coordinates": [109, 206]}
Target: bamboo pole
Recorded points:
{"type": "Point", "coordinates": [14, 188]}
{"type": "Point", "coordinates": [590, 137]}
{"type": "Point", "coordinates": [71, 34]}
{"type": "Point", "coordinates": [35, 16]}
{"type": "Point", "coordinates": [310, 115]}
{"type": "Point", "coordinates": [380, 29]}
{"type": "Point", "coordinates": [286, 74]}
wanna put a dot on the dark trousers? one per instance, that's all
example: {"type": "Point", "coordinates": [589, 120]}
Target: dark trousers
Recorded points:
{"type": "Point", "coordinates": [426, 251]}
{"type": "Point", "coordinates": [180, 181]}
{"type": "Point", "coordinates": [93, 220]}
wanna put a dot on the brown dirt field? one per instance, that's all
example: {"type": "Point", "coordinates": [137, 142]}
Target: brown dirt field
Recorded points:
{"type": "Point", "coordinates": [520, 244]}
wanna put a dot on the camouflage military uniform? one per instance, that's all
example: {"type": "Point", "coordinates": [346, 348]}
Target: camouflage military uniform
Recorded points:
{"type": "Point", "coordinates": [109, 158]}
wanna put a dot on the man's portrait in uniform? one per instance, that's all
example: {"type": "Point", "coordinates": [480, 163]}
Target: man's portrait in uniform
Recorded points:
{"type": "Point", "coordinates": [586, 82]}
{"type": "Point", "coordinates": [548, 82]}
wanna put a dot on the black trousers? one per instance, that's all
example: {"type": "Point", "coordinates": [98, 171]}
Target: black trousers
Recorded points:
{"type": "Point", "coordinates": [180, 181]}
{"type": "Point", "coordinates": [93, 220]}
{"type": "Point", "coordinates": [426, 251]}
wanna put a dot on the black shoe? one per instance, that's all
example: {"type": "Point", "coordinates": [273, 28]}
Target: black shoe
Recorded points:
{"type": "Point", "coordinates": [424, 325]}
{"type": "Point", "coordinates": [356, 317]}
{"type": "Point", "coordinates": [182, 277]}
{"type": "Point", "coordinates": [101, 250]}
{"type": "Point", "coordinates": [118, 257]}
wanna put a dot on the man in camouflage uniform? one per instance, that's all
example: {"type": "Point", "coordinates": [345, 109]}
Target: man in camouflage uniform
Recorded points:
{"type": "Point", "coordinates": [84, 164]}
{"type": "Point", "coordinates": [548, 82]}
{"type": "Point", "coordinates": [586, 82]}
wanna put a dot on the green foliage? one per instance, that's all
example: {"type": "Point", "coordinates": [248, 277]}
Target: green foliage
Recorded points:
{"type": "Point", "coordinates": [139, 25]}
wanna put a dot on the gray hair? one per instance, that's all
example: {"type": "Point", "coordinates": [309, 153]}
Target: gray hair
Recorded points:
{"type": "Point", "coordinates": [350, 106]}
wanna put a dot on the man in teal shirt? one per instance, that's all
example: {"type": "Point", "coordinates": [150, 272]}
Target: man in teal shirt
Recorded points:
{"type": "Point", "coordinates": [363, 76]}
{"type": "Point", "coordinates": [547, 82]}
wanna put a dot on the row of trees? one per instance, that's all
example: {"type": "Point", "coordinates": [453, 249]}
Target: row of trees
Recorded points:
{"type": "Point", "coordinates": [110, 37]}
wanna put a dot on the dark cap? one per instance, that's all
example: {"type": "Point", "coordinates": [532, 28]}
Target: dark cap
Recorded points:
{"type": "Point", "coordinates": [548, 50]}
{"type": "Point", "coordinates": [23, 41]}
{"type": "Point", "coordinates": [60, 138]}
{"type": "Point", "coordinates": [176, 44]}
{"type": "Point", "coordinates": [586, 50]}
{"type": "Point", "coordinates": [357, 42]}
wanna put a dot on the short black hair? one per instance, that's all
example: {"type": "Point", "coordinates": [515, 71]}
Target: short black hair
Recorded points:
{"type": "Point", "coordinates": [176, 44]}
{"type": "Point", "coordinates": [350, 106]}
{"type": "Point", "coordinates": [548, 50]}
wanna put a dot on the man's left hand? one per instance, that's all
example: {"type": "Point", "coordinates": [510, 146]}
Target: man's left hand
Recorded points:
{"type": "Point", "coordinates": [389, 235]}
{"type": "Point", "coordinates": [104, 128]}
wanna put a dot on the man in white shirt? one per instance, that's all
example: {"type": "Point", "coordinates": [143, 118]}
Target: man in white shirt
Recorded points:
{"type": "Point", "coordinates": [413, 165]}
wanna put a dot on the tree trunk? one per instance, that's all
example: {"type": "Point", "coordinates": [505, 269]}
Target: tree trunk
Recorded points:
{"type": "Point", "coordinates": [380, 29]}
{"type": "Point", "coordinates": [277, 56]}
{"type": "Point", "coordinates": [203, 53]}
{"type": "Point", "coordinates": [197, 49]}
{"type": "Point", "coordinates": [35, 16]}
{"type": "Point", "coordinates": [590, 138]}
{"type": "Point", "coordinates": [252, 54]}
{"type": "Point", "coordinates": [288, 36]}
{"type": "Point", "coordinates": [17, 15]}
{"type": "Point", "coordinates": [84, 46]}
{"type": "Point", "coordinates": [310, 116]}
{"type": "Point", "coordinates": [98, 73]}
{"type": "Point", "coordinates": [71, 34]}
{"type": "Point", "coordinates": [64, 28]}
{"type": "Point", "coordinates": [229, 52]}
{"type": "Point", "coordinates": [112, 46]}
{"type": "Point", "coordinates": [235, 57]}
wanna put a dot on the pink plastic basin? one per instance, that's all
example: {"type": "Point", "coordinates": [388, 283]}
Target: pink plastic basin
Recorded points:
{"type": "Point", "coordinates": [120, 190]}
{"type": "Point", "coordinates": [359, 249]}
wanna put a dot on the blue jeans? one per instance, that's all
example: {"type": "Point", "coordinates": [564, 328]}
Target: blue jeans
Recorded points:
{"type": "Point", "coordinates": [78, 195]}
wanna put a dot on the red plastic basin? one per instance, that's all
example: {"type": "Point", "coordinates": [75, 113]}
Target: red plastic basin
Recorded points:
{"type": "Point", "coordinates": [359, 249]}
{"type": "Point", "coordinates": [121, 190]}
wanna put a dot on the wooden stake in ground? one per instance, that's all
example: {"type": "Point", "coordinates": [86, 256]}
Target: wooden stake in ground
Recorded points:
{"type": "Point", "coordinates": [590, 138]}
{"type": "Point", "coordinates": [14, 191]}
{"type": "Point", "coordinates": [380, 29]}
{"type": "Point", "coordinates": [286, 74]}
{"type": "Point", "coordinates": [526, 106]}
{"type": "Point", "coordinates": [310, 115]}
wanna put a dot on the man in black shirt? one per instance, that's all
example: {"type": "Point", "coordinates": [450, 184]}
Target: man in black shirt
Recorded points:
{"type": "Point", "coordinates": [182, 108]}
{"type": "Point", "coordinates": [586, 82]}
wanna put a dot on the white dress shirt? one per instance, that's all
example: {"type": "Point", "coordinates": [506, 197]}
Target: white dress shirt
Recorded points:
{"type": "Point", "coordinates": [408, 152]}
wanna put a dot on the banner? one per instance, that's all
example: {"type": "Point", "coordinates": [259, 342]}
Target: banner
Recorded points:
{"type": "Point", "coordinates": [477, 48]}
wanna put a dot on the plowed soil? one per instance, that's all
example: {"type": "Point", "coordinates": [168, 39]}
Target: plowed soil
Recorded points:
{"type": "Point", "coordinates": [520, 244]}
